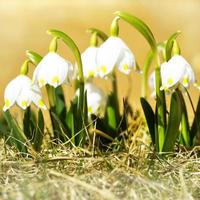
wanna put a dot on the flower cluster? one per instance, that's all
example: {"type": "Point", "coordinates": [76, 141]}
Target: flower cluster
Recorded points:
{"type": "Point", "coordinates": [92, 107]}
{"type": "Point", "coordinates": [54, 70]}
{"type": "Point", "coordinates": [101, 61]}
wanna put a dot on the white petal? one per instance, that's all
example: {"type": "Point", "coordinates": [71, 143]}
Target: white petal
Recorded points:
{"type": "Point", "coordinates": [127, 61]}
{"type": "Point", "coordinates": [13, 89]}
{"type": "Point", "coordinates": [89, 61]}
{"type": "Point", "coordinates": [10, 95]}
{"type": "Point", "coordinates": [114, 52]}
{"type": "Point", "coordinates": [36, 97]}
{"type": "Point", "coordinates": [107, 56]}
{"type": "Point", "coordinates": [96, 99]}
{"type": "Point", "coordinates": [24, 98]}
{"type": "Point", "coordinates": [171, 74]}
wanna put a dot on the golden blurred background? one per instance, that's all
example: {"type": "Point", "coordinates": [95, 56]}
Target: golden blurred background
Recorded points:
{"type": "Point", "coordinates": [24, 24]}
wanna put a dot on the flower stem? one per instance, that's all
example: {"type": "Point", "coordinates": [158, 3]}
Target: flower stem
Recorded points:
{"type": "Point", "coordinates": [160, 106]}
{"type": "Point", "coordinates": [116, 102]}
{"type": "Point", "coordinates": [114, 28]}
{"type": "Point", "coordinates": [51, 95]}
{"type": "Point", "coordinates": [145, 74]}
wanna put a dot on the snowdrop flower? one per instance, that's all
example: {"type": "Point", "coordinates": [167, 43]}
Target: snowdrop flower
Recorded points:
{"type": "Point", "coordinates": [176, 72]}
{"type": "Point", "coordinates": [96, 99]}
{"type": "Point", "coordinates": [53, 70]}
{"type": "Point", "coordinates": [22, 92]}
{"type": "Point", "coordinates": [114, 53]}
{"type": "Point", "coordinates": [89, 62]}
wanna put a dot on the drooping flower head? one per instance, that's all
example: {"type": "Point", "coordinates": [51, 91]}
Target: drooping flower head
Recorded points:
{"type": "Point", "coordinates": [176, 72]}
{"type": "Point", "coordinates": [53, 70]}
{"type": "Point", "coordinates": [96, 99]}
{"type": "Point", "coordinates": [114, 53]}
{"type": "Point", "coordinates": [22, 92]}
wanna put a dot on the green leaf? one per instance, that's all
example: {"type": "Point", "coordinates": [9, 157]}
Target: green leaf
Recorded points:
{"type": "Point", "coordinates": [185, 128]}
{"type": "Point", "coordinates": [34, 57]}
{"type": "Point", "coordinates": [140, 26]}
{"type": "Point", "coordinates": [169, 44]}
{"type": "Point", "coordinates": [100, 33]}
{"type": "Point", "coordinates": [112, 117]}
{"type": "Point", "coordinates": [59, 129]}
{"type": "Point", "coordinates": [172, 131]}
{"type": "Point", "coordinates": [61, 108]}
{"type": "Point", "coordinates": [39, 132]}
{"type": "Point", "coordinates": [150, 117]}
{"type": "Point", "coordinates": [70, 121]}
{"type": "Point", "coordinates": [29, 123]}
{"type": "Point", "coordinates": [195, 128]}
{"type": "Point", "coordinates": [17, 137]}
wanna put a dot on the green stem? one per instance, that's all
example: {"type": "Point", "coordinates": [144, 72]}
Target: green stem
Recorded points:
{"type": "Point", "coordinates": [116, 102]}
{"type": "Point", "coordinates": [145, 74]}
{"type": "Point", "coordinates": [114, 28]}
{"type": "Point", "coordinates": [94, 40]}
{"type": "Point", "coordinates": [51, 95]}
{"type": "Point", "coordinates": [185, 128]}
{"type": "Point", "coordinates": [161, 107]}
{"type": "Point", "coordinates": [184, 123]}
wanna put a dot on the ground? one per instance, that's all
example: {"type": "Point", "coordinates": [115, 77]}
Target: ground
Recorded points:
{"type": "Point", "coordinates": [81, 174]}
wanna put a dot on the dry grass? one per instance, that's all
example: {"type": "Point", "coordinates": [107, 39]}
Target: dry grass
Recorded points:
{"type": "Point", "coordinates": [80, 174]}
{"type": "Point", "coordinates": [131, 172]}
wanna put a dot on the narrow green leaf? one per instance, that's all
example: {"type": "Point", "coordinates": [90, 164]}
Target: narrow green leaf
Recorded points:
{"type": "Point", "coordinates": [17, 137]}
{"type": "Point", "coordinates": [34, 57]}
{"type": "Point", "coordinates": [112, 123]}
{"type": "Point", "coordinates": [70, 122]}
{"type": "Point", "coordinates": [100, 33]}
{"type": "Point", "coordinates": [29, 123]}
{"type": "Point", "coordinates": [111, 115]}
{"type": "Point", "coordinates": [185, 128]}
{"type": "Point", "coordinates": [169, 44]}
{"type": "Point", "coordinates": [150, 117]}
{"type": "Point", "coordinates": [174, 120]}
{"type": "Point", "coordinates": [59, 130]}
{"type": "Point", "coordinates": [39, 132]}
{"type": "Point", "coordinates": [195, 128]}
{"type": "Point", "coordinates": [140, 26]}
{"type": "Point", "coordinates": [61, 108]}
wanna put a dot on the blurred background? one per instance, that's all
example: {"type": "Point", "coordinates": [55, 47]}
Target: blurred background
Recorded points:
{"type": "Point", "coordinates": [24, 24]}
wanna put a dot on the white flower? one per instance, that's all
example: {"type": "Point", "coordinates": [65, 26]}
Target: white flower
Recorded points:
{"type": "Point", "coordinates": [21, 91]}
{"type": "Point", "coordinates": [96, 99]}
{"type": "Point", "coordinates": [53, 70]}
{"type": "Point", "coordinates": [177, 72]}
{"type": "Point", "coordinates": [89, 62]}
{"type": "Point", "coordinates": [114, 53]}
